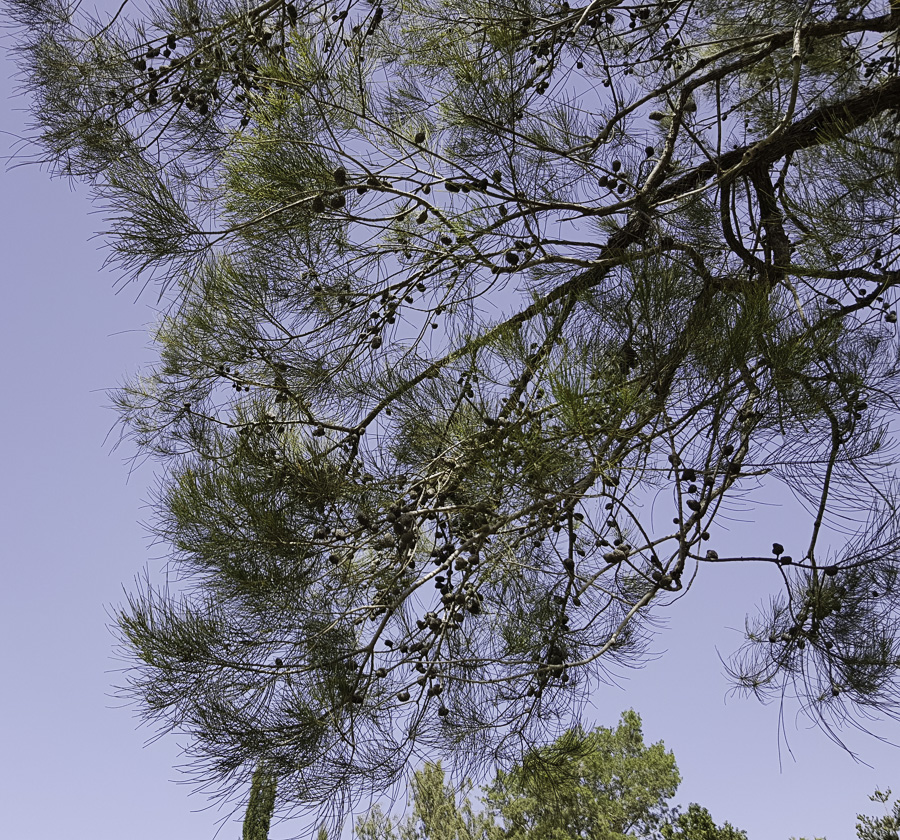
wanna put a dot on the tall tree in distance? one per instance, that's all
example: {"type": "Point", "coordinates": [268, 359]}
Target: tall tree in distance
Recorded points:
{"type": "Point", "coordinates": [450, 289]}
{"type": "Point", "coordinates": [261, 805]}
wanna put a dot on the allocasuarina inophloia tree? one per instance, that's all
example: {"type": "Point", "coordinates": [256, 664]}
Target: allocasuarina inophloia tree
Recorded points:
{"type": "Point", "coordinates": [451, 287]}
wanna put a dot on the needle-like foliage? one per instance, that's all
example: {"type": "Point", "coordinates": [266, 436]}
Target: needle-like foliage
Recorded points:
{"type": "Point", "coordinates": [451, 288]}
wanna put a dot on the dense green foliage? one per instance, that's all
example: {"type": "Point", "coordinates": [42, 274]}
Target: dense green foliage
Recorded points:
{"type": "Point", "coordinates": [605, 784]}
{"type": "Point", "coordinates": [697, 824]}
{"type": "Point", "coordinates": [451, 290]}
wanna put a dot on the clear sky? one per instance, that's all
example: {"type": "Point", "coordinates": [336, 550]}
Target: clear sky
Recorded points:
{"type": "Point", "coordinates": [75, 762]}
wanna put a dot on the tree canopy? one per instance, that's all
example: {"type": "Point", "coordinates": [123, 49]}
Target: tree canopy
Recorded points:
{"type": "Point", "coordinates": [450, 290]}
{"type": "Point", "coordinates": [605, 784]}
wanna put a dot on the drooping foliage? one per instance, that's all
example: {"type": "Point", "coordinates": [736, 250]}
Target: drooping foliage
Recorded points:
{"type": "Point", "coordinates": [451, 288]}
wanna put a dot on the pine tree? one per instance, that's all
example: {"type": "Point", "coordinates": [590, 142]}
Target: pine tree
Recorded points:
{"type": "Point", "coordinates": [449, 289]}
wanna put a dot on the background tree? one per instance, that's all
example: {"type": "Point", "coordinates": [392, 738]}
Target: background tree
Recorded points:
{"type": "Point", "coordinates": [604, 785]}
{"type": "Point", "coordinates": [697, 824]}
{"type": "Point", "coordinates": [880, 828]}
{"type": "Point", "coordinates": [261, 805]}
{"type": "Point", "coordinates": [452, 288]}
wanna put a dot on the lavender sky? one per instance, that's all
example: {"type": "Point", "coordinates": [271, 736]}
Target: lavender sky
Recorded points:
{"type": "Point", "coordinates": [75, 764]}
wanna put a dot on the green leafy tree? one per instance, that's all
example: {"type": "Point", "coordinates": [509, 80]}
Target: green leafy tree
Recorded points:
{"type": "Point", "coordinates": [602, 785]}
{"type": "Point", "coordinates": [449, 289]}
{"type": "Point", "coordinates": [880, 828]}
{"type": "Point", "coordinates": [697, 824]}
